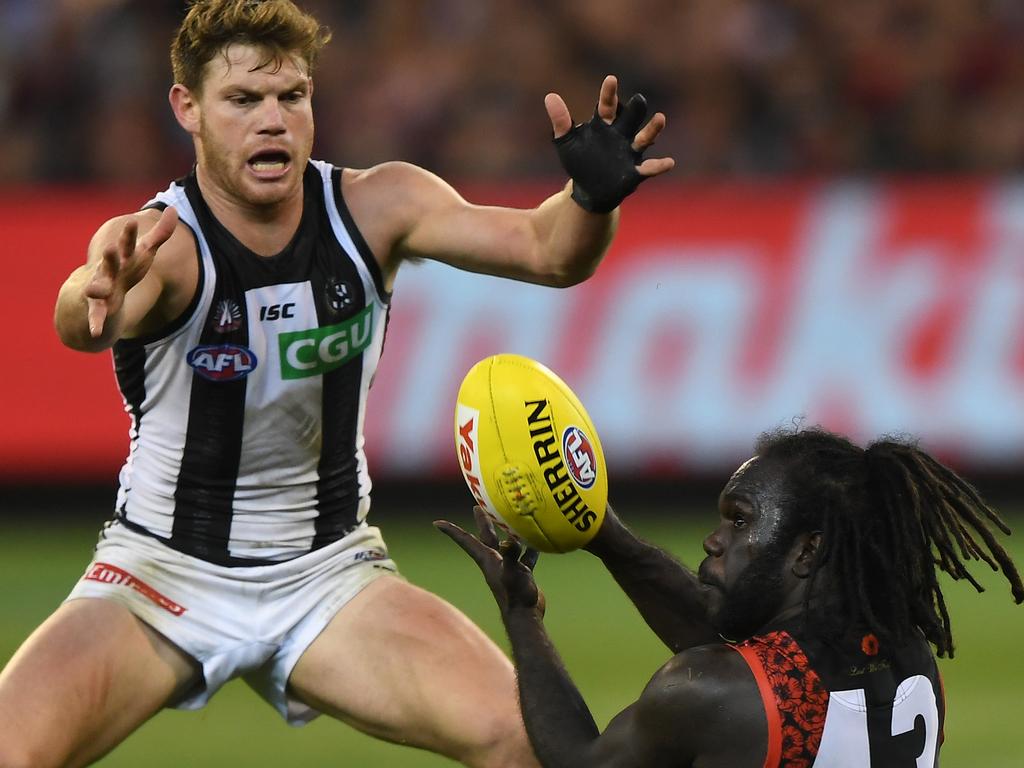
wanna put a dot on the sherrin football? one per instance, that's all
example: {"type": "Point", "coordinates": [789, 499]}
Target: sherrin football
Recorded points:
{"type": "Point", "coordinates": [529, 453]}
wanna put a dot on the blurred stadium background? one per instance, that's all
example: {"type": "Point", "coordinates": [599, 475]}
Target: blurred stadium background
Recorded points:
{"type": "Point", "coordinates": [842, 241]}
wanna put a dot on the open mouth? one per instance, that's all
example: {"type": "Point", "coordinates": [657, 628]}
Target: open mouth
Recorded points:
{"type": "Point", "coordinates": [271, 162]}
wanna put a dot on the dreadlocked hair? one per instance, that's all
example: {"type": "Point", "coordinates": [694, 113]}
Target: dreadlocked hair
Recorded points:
{"type": "Point", "coordinates": [890, 516]}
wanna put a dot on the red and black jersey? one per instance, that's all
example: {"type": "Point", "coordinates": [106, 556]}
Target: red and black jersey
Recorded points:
{"type": "Point", "coordinates": [857, 706]}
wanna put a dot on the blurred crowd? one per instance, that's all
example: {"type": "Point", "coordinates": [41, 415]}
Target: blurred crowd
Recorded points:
{"type": "Point", "coordinates": [750, 87]}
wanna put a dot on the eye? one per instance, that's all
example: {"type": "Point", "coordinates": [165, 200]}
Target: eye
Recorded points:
{"type": "Point", "coordinates": [292, 97]}
{"type": "Point", "coordinates": [739, 521]}
{"type": "Point", "coordinates": [241, 100]}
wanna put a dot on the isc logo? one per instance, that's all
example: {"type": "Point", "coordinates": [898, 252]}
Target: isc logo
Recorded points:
{"type": "Point", "coordinates": [579, 456]}
{"type": "Point", "coordinates": [222, 362]}
{"type": "Point", "coordinates": [277, 311]}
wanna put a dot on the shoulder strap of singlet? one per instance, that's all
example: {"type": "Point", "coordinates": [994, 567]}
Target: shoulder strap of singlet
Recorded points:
{"type": "Point", "coordinates": [175, 195]}
{"type": "Point", "coordinates": [346, 231]}
{"type": "Point", "coordinates": [771, 710]}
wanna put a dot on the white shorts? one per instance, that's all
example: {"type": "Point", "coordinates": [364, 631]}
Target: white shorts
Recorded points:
{"type": "Point", "coordinates": [250, 622]}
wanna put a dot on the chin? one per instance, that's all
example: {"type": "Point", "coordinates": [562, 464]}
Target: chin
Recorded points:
{"type": "Point", "coordinates": [733, 632]}
{"type": "Point", "coordinates": [263, 198]}
{"type": "Point", "coordinates": [268, 194]}
{"type": "Point", "coordinates": [739, 620]}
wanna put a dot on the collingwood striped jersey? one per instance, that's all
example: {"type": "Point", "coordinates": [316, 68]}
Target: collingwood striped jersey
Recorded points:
{"type": "Point", "coordinates": [247, 412]}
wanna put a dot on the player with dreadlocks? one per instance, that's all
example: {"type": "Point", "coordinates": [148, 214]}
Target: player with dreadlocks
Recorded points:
{"type": "Point", "coordinates": [885, 515]}
{"type": "Point", "coordinates": [803, 638]}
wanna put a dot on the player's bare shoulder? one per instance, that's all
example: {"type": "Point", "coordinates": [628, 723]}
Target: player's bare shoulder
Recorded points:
{"type": "Point", "coordinates": [388, 200]}
{"type": "Point", "coordinates": [172, 276]}
{"type": "Point", "coordinates": [698, 687]}
{"type": "Point", "coordinates": [178, 249]}
{"type": "Point", "coordinates": [176, 262]}
{"type": "Point", "coordinates": [393, 182]}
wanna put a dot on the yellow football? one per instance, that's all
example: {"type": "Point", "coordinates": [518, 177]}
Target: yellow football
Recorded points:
{"type": "Point", "coordinates": [529, 453]}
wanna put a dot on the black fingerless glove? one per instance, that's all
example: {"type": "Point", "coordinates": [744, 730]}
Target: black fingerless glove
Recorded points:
{"type": "Point", "coordinates": [600, 157]}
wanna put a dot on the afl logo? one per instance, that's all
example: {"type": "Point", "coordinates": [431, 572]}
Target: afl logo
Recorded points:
{"type": "Point", "coordinates": [222, 362]}
{"type": "Point", "coordinates": [579, 457]}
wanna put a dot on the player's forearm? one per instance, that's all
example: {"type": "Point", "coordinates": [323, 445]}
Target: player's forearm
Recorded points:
{"type": "Point", "coordinates": [571, 240]}
{"type": "Point", "coordinates": [665, 592]}
{"type": "Point", "coordinates": [557, 719]}
{"type": "Point", "coordinates": [71, 316]}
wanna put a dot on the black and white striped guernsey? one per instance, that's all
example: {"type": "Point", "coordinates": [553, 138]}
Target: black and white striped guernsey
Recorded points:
{"type": "Point", "coordinates": [247, 413]}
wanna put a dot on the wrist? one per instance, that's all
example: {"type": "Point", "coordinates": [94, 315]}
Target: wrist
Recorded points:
{"type": "Point", "coordinates": [613, 539]}
{"type": "Point", "coordinates": [520, 614]}
{"type": "Point", "coordinates": [592, 205]}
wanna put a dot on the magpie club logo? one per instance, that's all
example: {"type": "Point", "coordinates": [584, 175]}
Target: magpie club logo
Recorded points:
{"type": "Point", "coordinates": [226, 317]}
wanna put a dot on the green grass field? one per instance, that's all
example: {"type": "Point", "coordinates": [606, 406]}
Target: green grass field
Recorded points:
{"type": "Point", "coordinates": [607, 648]}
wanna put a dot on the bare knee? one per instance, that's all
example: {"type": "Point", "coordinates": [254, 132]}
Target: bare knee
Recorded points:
{"type": "Point", "coordinates": [497, 739]}
{"type": "Point", "coordinates": [494, 736]}
{"type": "Point", "coordinates": [498, 735]}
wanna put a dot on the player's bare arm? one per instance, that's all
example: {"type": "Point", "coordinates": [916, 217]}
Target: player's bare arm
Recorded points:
{"type": "Point", "coordinates": [667, 593]}
{"type": "Point", "coordinates": [140, 274]}
{"type": "Point", "coordinates": [676, 721]}
{"type": "Point", "coordinates": [406, 212]}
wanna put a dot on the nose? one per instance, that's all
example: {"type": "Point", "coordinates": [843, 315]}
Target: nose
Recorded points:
{"type": "Point", "coordinates": [271, 118]}
{"type": "Point", "coordinates": [712, 545]}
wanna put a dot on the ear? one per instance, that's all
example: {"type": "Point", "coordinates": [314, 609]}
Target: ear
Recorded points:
{"type": "Point", "coordinates": [185, 105]}
{"type": "Point", "coordinates": [807, 556]}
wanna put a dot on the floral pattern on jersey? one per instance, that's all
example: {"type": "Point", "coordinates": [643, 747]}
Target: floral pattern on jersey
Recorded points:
{"type": "Point", "coordinates": [799, 693]}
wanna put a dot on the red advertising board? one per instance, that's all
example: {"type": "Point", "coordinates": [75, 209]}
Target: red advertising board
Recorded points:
{"type": "Point", "coordinates": [720, 311]}
{"type": "Point", "coordinates": [62, 417]}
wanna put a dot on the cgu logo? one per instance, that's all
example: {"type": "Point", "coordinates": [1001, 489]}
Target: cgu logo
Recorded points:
{"type": "Point", "coordinates": [222, 362]}
{"type": "Point", "coordinates": [579, 457]}
{"type": "Point", "coordinates": [320, 350]}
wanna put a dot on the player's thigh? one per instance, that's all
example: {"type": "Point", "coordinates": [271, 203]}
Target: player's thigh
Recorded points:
{"type": "Point", "coordinates": [402, 664]}
{"type": "Point", "coordinates": [85, 679]}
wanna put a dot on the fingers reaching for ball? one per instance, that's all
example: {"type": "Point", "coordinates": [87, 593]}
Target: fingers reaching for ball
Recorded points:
{"type": "Point", "coordinates": [485, 525]}
{"type": "Point", "coordinates": [530, 557]}
{"type": "Point", "coordinates": [487, 539]}
{"type": "Point", "coordinates": [507, 564]}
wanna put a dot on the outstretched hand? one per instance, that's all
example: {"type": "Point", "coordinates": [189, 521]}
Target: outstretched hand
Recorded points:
{"type": "Point", "coordinates": [507, 564]}
{"type": "Point", "coordinates": [604, 156]}
{"type": "Point", "coordinates": [122, 265]}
